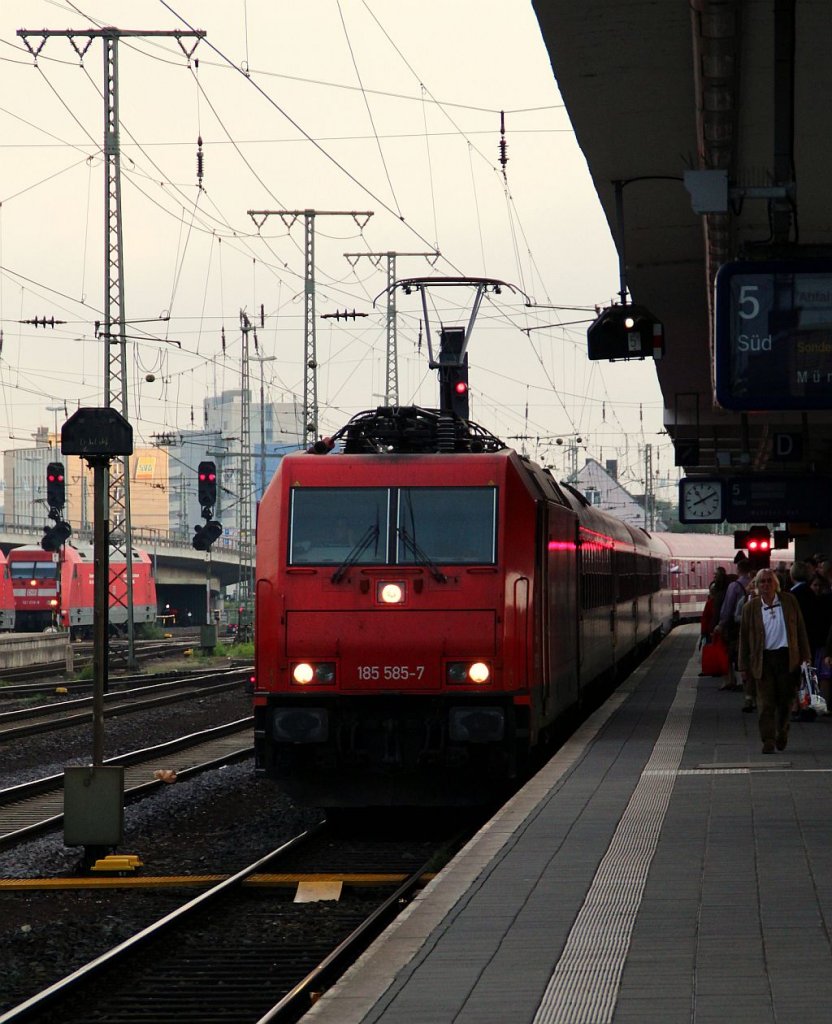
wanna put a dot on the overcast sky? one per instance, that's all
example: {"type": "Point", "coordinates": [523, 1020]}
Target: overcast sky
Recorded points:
{"type": "Point", "coordinates": [357, 105]}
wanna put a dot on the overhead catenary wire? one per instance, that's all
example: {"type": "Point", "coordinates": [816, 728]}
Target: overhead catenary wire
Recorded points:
{"type": "Point", "coordinates": [352, 284]}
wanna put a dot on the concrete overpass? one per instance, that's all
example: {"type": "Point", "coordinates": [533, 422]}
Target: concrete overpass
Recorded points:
{"type": "Point", "coordinates": [655, 88]}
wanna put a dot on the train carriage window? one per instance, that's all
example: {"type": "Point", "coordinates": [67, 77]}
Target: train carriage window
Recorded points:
{"type": "Point", "coordinates": [329, 524]}
{"type": "Point", "coordinates": [447, 525]}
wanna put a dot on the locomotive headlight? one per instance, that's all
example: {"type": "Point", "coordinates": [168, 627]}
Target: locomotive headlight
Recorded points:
{"type": "Point", "coordinates": [390, 593]}
{"type": "Point", "coordinates": [461, 672]}
{"type": "Point", "coordinates": [479, 672]}
{"type": "Point", "coordinates": [325, 672]}
{"type": "Point", "coordinates": [303, 673]}
{"type": "Point", "coordinates": [457, 672]}
{"type": "Point", "coordinates": [319, 672]}
{"type": "Point", "coordinates": [53, 602]}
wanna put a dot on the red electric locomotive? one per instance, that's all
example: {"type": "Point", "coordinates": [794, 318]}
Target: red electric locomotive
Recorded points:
{"type": "Point", "coordinates": [55, 589]}
{"type": "Point", "coordinates": [428, 604]}
{"type": "Point", "coordinates": [7, 613]}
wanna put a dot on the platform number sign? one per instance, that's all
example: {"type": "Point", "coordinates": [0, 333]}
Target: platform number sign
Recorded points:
{"type": "Point", "coordinates": [774, 335]}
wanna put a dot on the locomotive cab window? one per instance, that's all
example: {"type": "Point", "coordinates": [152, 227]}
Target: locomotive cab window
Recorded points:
{"type": "Point", "coordinates": [393, 526]}
{"type": "Point", "coordinates": [446, 525]}
{"type": "Point", "coordinates": [40, 570]}
{"type": "Point", "coordinates": [330, 524]}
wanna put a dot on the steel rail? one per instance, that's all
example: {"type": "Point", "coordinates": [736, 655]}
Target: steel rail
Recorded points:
{"type": "Point", "coordinates": [31, 1008]}
{"type": "Point", "coordinates": [34, 807]}
{"type": "Point", "coordinates": [51, 717]}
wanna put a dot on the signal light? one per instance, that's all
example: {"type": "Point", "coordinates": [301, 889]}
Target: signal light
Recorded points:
{"type": "Point", "coordinates": [204, 536]}
{"type": "Point", "coordinates": [207, 485]}
{"type": "Point", "coordinates": [757, 542]}
{"type": "Point", "coordinates": [453, 389]}
{"type": "Point", "coordinates": [625, 332]}
{"type": "Point", "coordinates": [55, 536]}
{"type": "Point", "coordinates": [55, 485]}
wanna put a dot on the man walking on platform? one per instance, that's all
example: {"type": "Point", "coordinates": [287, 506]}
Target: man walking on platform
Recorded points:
{"type": "Point", "coordinates": [772, 645]}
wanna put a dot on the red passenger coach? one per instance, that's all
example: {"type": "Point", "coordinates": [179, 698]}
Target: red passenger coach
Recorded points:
{"type": "Point", "coordinates": [693, 559]}
{"type": "Point", "coordinates": [428, 604]}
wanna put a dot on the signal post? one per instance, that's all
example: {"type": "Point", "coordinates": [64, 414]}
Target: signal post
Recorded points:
{"type": "Point", "coordinates": [204, 537]}
{"type": "Point", "coordinates": [94, 794]}
{"type": "Point", "coordinates": [55, 537]}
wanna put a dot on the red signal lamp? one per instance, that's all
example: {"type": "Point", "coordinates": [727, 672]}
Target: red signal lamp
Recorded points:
{"type": "Point", "coordinates": [461, 387]}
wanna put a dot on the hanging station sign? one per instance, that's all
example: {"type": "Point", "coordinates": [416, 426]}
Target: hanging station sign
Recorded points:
{"type": "Point", "coordinates": [774, 335]}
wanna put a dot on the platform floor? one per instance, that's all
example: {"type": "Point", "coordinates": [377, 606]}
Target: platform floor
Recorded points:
{"type": "Point", "coordinates": [659, 869]}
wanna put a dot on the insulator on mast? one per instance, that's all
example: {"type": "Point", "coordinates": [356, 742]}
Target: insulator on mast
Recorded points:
{"type": "Point", "coordinates": [200, 162]}
{"type": "Point", "coordinates": [503, 143]}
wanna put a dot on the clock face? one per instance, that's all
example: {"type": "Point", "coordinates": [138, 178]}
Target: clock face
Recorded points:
{"type": "Point", "coordinates": [701, 501]}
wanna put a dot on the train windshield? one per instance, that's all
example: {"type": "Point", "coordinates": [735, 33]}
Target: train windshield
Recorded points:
{"type": "Point", "coordinates": [447, 525]}
{"type": "Point", "coordinates": [331, 524]}
{"type": "Point", "coordinates": [393, 526]}
{"type": "Point", "coordinates": [40, 570]}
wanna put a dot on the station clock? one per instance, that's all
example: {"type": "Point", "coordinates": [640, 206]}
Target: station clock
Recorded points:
{"type": "Point", "coordinates": [701, 500]}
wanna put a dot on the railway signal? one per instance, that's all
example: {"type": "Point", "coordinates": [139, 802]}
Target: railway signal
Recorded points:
{"type": "Point", "coordinates": [207, 485]}
{"type": "Point", "coordinates": [55, 485]}
{"type": "Point", "coordinates": [204, 536]}
{"type": "Point", "coordinates": [757, 542]}
{"type": "Point", "coordinates": [453, 372]}
{"type": "Point", "coordinates": [56, 536]}
{"type": "Point", "coordinates": [458, 389]}
{"type": "Point", "coordinates": [625, 332]}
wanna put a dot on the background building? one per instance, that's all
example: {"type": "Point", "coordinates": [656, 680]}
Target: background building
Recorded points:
{"type": "Point", "coordinates": [602, 489]}
{"type": "Point", "coordinates": [163, 478]}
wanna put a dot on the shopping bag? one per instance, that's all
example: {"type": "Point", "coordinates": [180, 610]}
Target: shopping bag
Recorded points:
{"type": "Point", "coordinates": [816, 700]}
{"type": "Point", "coordinates": [809, 700]}
{"type": "Point", "coordinates": [715, 658]}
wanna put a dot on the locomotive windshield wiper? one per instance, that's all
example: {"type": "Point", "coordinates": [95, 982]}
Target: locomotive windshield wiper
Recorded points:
{"type": "Point", "coordinates": [421, 556]}
{"type": "Point", "coordinates": [361, 545]}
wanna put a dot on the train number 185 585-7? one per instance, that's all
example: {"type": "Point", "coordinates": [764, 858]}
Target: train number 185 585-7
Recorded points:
{"type": "Point", "coordinates": [390, 673]}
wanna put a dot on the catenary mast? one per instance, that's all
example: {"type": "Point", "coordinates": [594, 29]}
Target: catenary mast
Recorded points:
{"type": "Point", "coordinates": [112, 331]}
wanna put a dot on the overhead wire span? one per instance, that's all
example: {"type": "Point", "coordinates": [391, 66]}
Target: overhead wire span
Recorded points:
{"type": "Point", "coordinates": [314, 142]}
{"type": "Point", "coordinates": [43, 181]}
{"type": "Point", "coordinates": [369, 111]}
{"type": "Point", "coordinates": [477, 208]}
{"type": "Point", "coordinates": [328, 84]}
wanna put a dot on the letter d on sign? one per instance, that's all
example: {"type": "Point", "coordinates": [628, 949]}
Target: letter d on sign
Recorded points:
{"type": "Point", "coordinates": [788, 447]}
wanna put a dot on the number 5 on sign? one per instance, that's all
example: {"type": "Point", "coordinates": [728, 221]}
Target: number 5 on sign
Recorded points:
{"type": "Point", "coordinates": [748, 298]}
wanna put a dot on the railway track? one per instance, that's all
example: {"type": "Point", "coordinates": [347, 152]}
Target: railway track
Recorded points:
{"type": "Point", "coordinates": [245, 950]}
{"type": "Point", "coordinates": [145, 650]}
{"type": "Point", "coordinates": [34, 807]}
{"type": "Point", "coordinates": [49, 686]}
{"type": "Point", "coordinates": [68, 713]}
